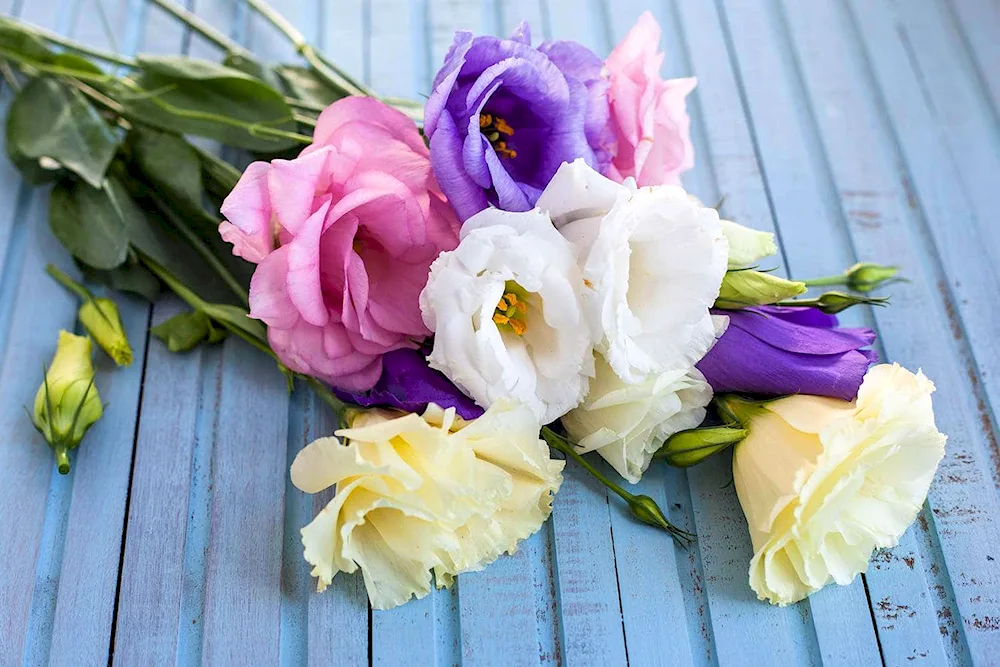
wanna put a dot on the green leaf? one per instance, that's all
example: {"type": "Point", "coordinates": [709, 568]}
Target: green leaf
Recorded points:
{"type": "Point", "coordinates": [76, 62]}
{"type": "Point", "coordinates": [87, 222]}
{"type": "Point", "coordinates": [185, 331]}
{"type": "Point", "coordinates": [51, 122]}
{"type": "Point", "coordinates": [247, 65]}
{"type": "Point", "coordinates": [302, 84]}
{"type": "Point", "coordinates": [171, 165]}
{"type": "Point", "coordinates": [130, 277]}
{"type": "Point", "coordinates": [190, 96]}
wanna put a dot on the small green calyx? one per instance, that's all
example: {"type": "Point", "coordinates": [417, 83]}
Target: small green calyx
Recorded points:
{"type": "Point", "coordinates": [693, 446]}
{"type": "Point", "coordinates": [67, 402]}
{"type": "Point", "coordinates": [738, 412]}
{"type": "Point", "coordinates": [746, 288]}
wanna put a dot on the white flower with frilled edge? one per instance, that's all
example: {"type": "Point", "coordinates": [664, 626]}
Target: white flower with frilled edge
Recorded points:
{"type": "Point", "coordinates": [421, 495]}
{"type": "Point", "coordinates": [824, 482]}
{"type": "Point", "coordinates": [653, 260]}
{"type": "Point", "coordinates": [506, 309]}
{"type": "Point", "coordinates": [627, 423]}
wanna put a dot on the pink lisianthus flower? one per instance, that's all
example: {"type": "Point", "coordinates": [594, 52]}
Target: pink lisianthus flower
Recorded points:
{"type": "Point", "coordinates": [648, 114]}
{"type": "Point", "coordinates": [343, 236]}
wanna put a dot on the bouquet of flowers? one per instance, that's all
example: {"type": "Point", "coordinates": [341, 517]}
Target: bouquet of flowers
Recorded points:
{"type": "Point", "coordinates": [507, 271]}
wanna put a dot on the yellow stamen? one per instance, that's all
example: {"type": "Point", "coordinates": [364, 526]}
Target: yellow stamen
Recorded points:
{"type": "Point", "coordinates": [492, 128]}
{"type": "Point", "coordinates": [510, 312]}
{"type": "Point", "coordinates": [588, 283]}
{"type": "Point", "coordinates": [503, 127]}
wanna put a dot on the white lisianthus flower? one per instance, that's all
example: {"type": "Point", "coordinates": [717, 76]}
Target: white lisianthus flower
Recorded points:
{"type": "Point", "coordinates": [506, 309]}
{"type": "Point", "coordinates": [627, 423]}
{"type": "Point", "coordinates": [653, 260]}
{"type": "Point", "coordinates": [824, 482]}
{"type": "Point", "coordinates": [416, 496]}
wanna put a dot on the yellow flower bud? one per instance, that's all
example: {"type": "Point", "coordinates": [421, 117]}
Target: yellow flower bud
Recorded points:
{"type": "Point", "coordinates": [101, 320]}
{"type": "Point", "coordinates": [67, 403]}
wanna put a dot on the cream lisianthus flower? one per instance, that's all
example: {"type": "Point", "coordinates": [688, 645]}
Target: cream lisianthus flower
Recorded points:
{"type": "Point", "coordinates": [421, 495]}
{"type": "Point", "coordinates": [653, 260]}
{"type": "Point", "coordinates": [627, 423]}
{"type": "Point", "coordinates": [506, 309]}
{"type": "Point", "coordinates": [824, 482]}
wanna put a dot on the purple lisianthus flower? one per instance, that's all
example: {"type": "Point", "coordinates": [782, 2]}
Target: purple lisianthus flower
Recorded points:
{"type": "Point", "coordinates": [776, 350]}
{"type": "Point", "coordinates": [503, 115]}
{"type": "Point", "coordinates": [409, 384]}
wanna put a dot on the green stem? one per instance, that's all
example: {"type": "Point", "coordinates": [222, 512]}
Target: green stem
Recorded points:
{"type": "Point", "coordinates": [224, 174]}
{"type": "Point", "coordinates": [63, 279]}
{"type": "Point", "coordinates": [62, 459]}
{"type": "Point", "coordinates": [195, 241]}
{"type": "Point", "coordinates": [826, 280]}
{"type": "Point", "coordinates": [331, 74]}
{"type": "Point", "coordinates": [196, 303]}
{"type": "Point", "coordinates": [559, 443]}
{"type": "Point", "coordinates": [55, 38]}
{"type": "Point", "coordinates": [194, 22]}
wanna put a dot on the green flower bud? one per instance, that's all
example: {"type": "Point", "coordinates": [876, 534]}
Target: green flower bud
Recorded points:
{"type": "Point", "coordinates": [747, 246]}
{"type": "Point", "coordinates": [646, 510]}
{"type": "Point", "coordinates": [67, 403]}
{"type": "Point", "coordinates": [835, 302]}
{"type": "Point", "coordinates": [865, 276]}
{"type": "Point", "coordinates": [744, 288]}
{"type": "Point", "coordinates": [101, 319]}
{"type": "Point", "coordinates": [695, 445]}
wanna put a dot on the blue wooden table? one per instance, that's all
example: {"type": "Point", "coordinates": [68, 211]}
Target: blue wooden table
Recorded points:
{"type": "Point", "coordinates": [855, 129]}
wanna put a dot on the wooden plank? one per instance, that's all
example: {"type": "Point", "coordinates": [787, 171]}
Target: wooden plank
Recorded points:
{"type": "Point", "coordinates": [802, 114]}
{"type": "Point", "coordinates": [942, 198]}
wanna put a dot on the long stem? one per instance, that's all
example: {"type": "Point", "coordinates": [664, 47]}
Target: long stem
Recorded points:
{"type": "Point", "coordinates": [84, 49]}
{"type": "Point", "coordinates": [559, 443]}
{"type": "Point", "coordinates": [195, 241]}
{"type": "Point", "coordinates": [63, 279]}
{"type": "Point", "coordinates": [826, 280]}
{"type": "Point", "coordinates": [194, 22]}
{"type": "Point", "coordinates": [331, 74]}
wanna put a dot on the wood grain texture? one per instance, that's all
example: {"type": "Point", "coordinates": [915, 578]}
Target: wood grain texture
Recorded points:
{"type": "Point", "coordinates": [855, 130]}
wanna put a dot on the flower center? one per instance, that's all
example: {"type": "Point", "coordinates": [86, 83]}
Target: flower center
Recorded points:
{"type": "Point", "coordinates": [495, 129]}
{"type": "Point", "coordinates": [511, 311]}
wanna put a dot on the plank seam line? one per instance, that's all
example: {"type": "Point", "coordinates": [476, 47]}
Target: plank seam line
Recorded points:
{"type": "Point", "coordinates": [935, 260]}
{"type": "Point", "coordinates": [951, 305]}
{"type": "Point", "coordinates": [128, 495]}
{"type": "Point", "coordinates": [699, 569]}
{"type": "Point", "coordinates": [734, 67]}
{"type": "Point", "coordinates": [545, 12]}
{"type": "Point", "coordinates": [871, 610]}
{"type": "Point", "coordinates": [618, 584]}
{"type": "Point", "coordinates": [982, 89]}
